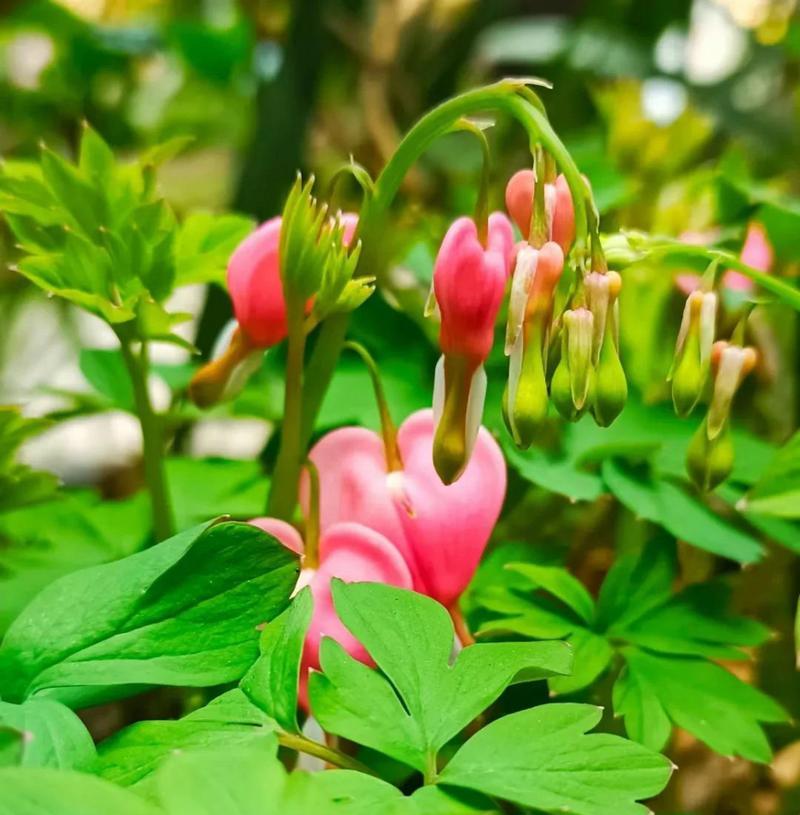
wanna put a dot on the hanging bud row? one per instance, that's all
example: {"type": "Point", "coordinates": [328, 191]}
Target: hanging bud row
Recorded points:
{"type": "Point", "coordinates": [710, 456]}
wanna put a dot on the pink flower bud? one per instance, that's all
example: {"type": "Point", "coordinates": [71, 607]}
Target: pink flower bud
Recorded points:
{"type": "Point", "coordinates": [469, 281]}
{"type": "Point", "coordinates": [255, 285]}
{"type": "Point", "coordinates": [558, 205]}
{"type": "Point", "coordinates": [756, 252]}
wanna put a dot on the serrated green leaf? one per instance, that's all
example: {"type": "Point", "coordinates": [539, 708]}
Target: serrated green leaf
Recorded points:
{"type": "Point", "coordinates": [204, 245]}
{"type": "Point", "coordinates": [542, 758]}
{"type": "Point", "coordinates": [272, 682]}
{"type": "Point", "coordinates": [20, 485]}
{"type": "Point", "coordinates": [708, 701]}
{"type": "Point", "coordinates": [230, 721]}
{"type": "Point", "coordinates": [426, 700]}
{"type": "Point", "coordinates": [183, 612]}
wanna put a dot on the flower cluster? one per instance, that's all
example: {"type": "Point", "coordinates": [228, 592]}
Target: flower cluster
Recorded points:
{"type": "Point", "coordinates": [397, 525]}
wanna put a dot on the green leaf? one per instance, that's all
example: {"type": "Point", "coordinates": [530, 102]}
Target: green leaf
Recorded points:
{"type": "Point", "coordinates": [11, 744]}
{"type": "Point", "coordinates": [683, 515]}
{"type": "Point", "coordinates": [696, 622]}
{"type": "Point", "coordinates": [636, 583]}
{"type": "Point", "coordinates": [230, 721]}
{"type": "Point", "coordinates": [706, 700]}
{"type": "Point", "coordinates": [45, 791]}
{"type": "Point", "coordinates": [561, 584]}
{"type": "Point", "coordinates": [554, 474]}
{"type": "Point", "coordinates": [592, 654]}
{"type": "Point", "coordinates": [107, 374]}
{"type": "Point", "coordinates": [43, 542]}
{"type": "Point", "coordinates": [19, 484]}
{"type": "Point", "coordinates": [204, 245]}
{"type": "Point", "coordinates": [777, 492]}
{"type": "Point", "coordinates": [201, 489]}
{"type": "Point", "coordinates": [252, 782]}
{"type": "Point", "coordinates": [646, 721]}
{"type": "Point", "coordinates": [423, 701]}
{"type": "Point", "coordinates": [272, 682]}
{"type": "Point", "coordinates": [183, 612]}
{"type": "Point", "coordinates": [53, 736]}
{"type": "Point", "coordinates": [542, 758]}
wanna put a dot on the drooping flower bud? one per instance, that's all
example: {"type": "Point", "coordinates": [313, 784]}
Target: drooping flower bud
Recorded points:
{"type": "Point", "coordinates": [530, 314]}
{"type": "Point", "coordinates": [468, 283]}
{"type": "Point", "coordinates": [709, 461]}
{"type": "Point", "coordinates": [710, 456]}
{"type": "Point", "coordinates": [575, 365]}
{"type": "Point", "coordinates": [610, 383]}
{"type": "Point", "coordinates": [693, 351]}
{"type": "Point", "coordinates": [558, 207]}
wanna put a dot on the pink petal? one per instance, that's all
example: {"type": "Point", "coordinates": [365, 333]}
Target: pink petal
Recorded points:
{"type": "Point", "coordinates": [353, 484]}
{"type": "Point", "coordinates": [353, 553]}
{"type": "Point", "coordinates": [254, 283]}
{"type": "Point", "coordinates": [450, 525]}
{"type": "Point", "coordinates": [281, 530]}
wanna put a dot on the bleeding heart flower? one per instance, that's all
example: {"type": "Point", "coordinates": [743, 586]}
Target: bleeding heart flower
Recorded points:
{"type": "Point", "coordinates": [558, 206]}
{"type": "Point", "coordinates": [255, 285]}
{"type": "Point", "coordinates": [441, 530]}
{"type": "Point", "coordinates": [351, 552]}
{"type": "Point", "coordinates": [469, 281]}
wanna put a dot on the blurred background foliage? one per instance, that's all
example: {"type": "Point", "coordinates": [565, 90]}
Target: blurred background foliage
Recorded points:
{"type": "Point", "coordinates": [685, 115]}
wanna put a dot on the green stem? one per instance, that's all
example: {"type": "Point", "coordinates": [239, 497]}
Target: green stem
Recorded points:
{"type": "Point", "coordinates": [431, 772]}
{"type": "Point", "coordinates": [152, 438]}
{"type": "Point", "coordinates": [501, 97]}
{"type": "Point", "coordinates": [319, 371]}
{"type": "Point", "coordinates": [301, 744]}
{"type": "Point", "coordinates": [789, 294]}
{"type": "Point", "coordinates": [286, 477]}
{"type": "Point", "coordinates": [388, 430]}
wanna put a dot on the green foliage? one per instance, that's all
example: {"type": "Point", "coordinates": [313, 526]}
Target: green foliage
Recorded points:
{"type": "Point", "coordinates": [19, 484]}
{"type": "Point", "coordinates": [98, 234]}
{"type": "Point", "coordinates": [777, 492]}
{"type": "Point", "coordinates": [272, 682]}
{"type": "Point", "coordinates": [543, 758]}
{"type": "Point", "coordinates": [131, 756]}
{"type": "Point", "coordinates": [639, 460]}
{"type": "Point", "coordinates": [666, 642]}
{"type": "Point", "coordinates": [180, 613]}
{"type": "Point", "coordinates": [424, 701]}
{"type": "Point", "coordinates": [43, 542]}
{"type": "Point", "coordinates": [52, 735]}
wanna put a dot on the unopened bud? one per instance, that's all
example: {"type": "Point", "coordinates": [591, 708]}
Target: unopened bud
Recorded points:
{"type": "Point", "coordinates": [731, 364]}
{"type": "Point", "coordinates": [693, 351]}
{"type": "Point", "coordinates": [710, 461]}
{"type": "Point", "coordinates": [579, 325]}
{"type": "Point", "coordinates": [610, 384]}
